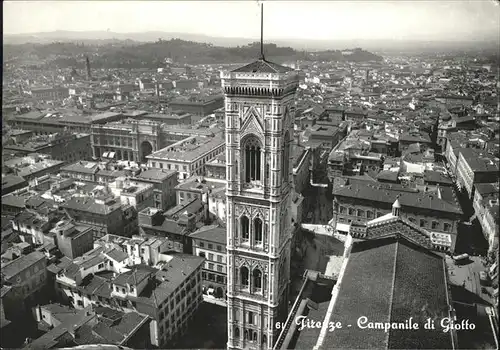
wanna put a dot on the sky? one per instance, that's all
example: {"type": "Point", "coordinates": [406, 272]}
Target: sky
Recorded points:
{"type": "Point", "coordinates": [321, 20]}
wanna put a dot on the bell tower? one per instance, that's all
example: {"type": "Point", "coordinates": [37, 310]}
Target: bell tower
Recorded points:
{"type": "Point", "coordinates": [259, 110]}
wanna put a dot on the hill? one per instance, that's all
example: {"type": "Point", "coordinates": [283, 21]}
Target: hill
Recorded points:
{"type": "Point", "coordinates": [130, 54]}
{"type": "Point", "coordinates": [460, 42]}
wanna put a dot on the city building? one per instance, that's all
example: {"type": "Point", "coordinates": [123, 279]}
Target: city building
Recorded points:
{"type": "Point", "coordinates": [197, 106]}
{"type": "Point", "coordinates": [169, 118]}
{"type": "Point", "coordinates": [164, 182]}
{"type": "Point", "coordinates": [66, 147]}
{"type": "Point", "coordinates": [485, 204]}
{"type": "Point", "coordinates": [73, 240]}
{"type": "Point", "coordinates": [301, 168]}
{"type": "Point", "coordinates": [27, 277]}
{"type": "Point", "coordinates": [168, 295]}
{"type": "Point", "coordinates": [189, 156]}
{"type": "Point", "coordinates": [49, 93]}
{"type": "Point", "coordinates": [174, 229]}
{"type": "Point", "coordinates": [260, 110]}
{"type": "Point", "coordinates": [216, 168]}
{"type": "Point", "coordinates": [129, 139]}
{"type": "Point", "coordinates": [105, 215]}
{"type": "Point", "coordinates": [209, 242]}
{"type": "Point", "coordinates": [132, 193]}
{"type": "Point", "coordinates": [33, 166]}
{"type": "Point", "coordinates": [197, 187]}
{"type": "Point", "coordinates": [11, 183]}
{"type": "Point", "coordinates": [473, 167]}
{"type": "Point", "coordinates": [91, 327]}
{"type": "Point", "coordinates": [358, 203]}
{"type": "Point", "coordinates": [406, 139]}
{"type": "Point", "coordinates": [324, 136]}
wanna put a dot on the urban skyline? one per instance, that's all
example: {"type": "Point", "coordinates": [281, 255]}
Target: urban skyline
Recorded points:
{"type": "Point", "coordinates": [374, 20]}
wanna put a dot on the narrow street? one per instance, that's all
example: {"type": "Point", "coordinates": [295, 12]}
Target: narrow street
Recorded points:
{"type": "Point", "coordinates": [320, 205]}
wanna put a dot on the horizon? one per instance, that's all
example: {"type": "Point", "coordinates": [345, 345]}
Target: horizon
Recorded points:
{"type": "Point", "coordinates": [283, 20]}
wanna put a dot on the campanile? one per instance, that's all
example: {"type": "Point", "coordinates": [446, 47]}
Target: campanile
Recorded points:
{"type": "Point", "coordinates": [259, 110]}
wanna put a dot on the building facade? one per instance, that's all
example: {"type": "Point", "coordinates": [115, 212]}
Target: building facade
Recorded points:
{"type": "Point", "coordinates": [356, 204]}
{"type": "Point", "coordinates": [260, 106]}
{"type": "Point", "coordinates": [27, 275]}
{"type": "Point", "coordinates": [210, 243]}
{"type": "Point", "coordinates": [129, 139]}
{"type": "Point", "coordinates": [188, 156]}
{"type": "Point", "coordinates": [473, 167]}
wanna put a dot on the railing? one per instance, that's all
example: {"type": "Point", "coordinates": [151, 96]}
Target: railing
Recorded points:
{"type": "Point", "coordinates": [291, 315]}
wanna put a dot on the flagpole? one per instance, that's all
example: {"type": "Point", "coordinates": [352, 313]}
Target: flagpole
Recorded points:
{"type": "Point", "coordinates": [262, 30]}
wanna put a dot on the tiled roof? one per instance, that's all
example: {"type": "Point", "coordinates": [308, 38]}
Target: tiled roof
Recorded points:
{"type": "Point", "coordinates": [262, 66]}
{"type": "Point", "coordinates": [117, 255]}
{"type": "Point", "coordinates": [410, 283]}
{"type": "Point", "coordinates": [134, 277]}
{"type": "Point", "coordinates": [211, 233]}
{"type": "Point", "coordinates": [155, 174]}
{"type": "Point", "coordinates": [14, 267]}
{"type": "Point", "coordinates": [369, 192]}
{"type": "Point", "coordinates": [436, 176]}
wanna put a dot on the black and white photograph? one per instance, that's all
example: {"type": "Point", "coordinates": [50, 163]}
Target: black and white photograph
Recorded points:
{"type": "Point", "coordinates": [250, 175]}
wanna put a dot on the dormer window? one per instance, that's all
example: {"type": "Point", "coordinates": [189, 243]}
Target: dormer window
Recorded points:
{"type": "Point", "coordinates": [132, 289]}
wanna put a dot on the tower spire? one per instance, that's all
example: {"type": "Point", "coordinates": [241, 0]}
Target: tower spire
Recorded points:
{"type": "Point", "coordinates": [262, 30]}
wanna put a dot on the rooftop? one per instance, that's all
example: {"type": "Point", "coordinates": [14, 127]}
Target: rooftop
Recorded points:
{"type": "Point", "coordinates": [211, 233]}
{"type": "Point", "coordinates": [13, 268]}
{"type": "Point", "coordinates": [262, 66]}
{"type": "Point", "coordinates": [190, 149]}
{"type": "Point", "coordinates": [155, 174]}
{"type": "Point", "coordinates": [92, 205]}
{"type": "Point", "coordinates": [384, 194]}
{"type": "Point", "coordinates": [199, 184]}
{"type": "Point", "coordinates": [411, 282]}
{"type": "Point", "coordinates": [478, 161]}
{"type": "Point", "coordinates": [133, 277]}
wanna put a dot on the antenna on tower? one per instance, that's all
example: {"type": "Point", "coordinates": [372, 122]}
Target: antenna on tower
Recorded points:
{"type": "Point", "coordinates": [262, 30]}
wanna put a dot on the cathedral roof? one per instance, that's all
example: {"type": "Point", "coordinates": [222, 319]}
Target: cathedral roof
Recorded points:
{"type": "Point", "coordinates": [411, 282]}
{"type": "Point", "coordinates": [262, 66]}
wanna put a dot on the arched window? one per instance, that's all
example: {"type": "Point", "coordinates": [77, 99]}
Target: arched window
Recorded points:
{"type": "Point", "coordinates": [236, 332]}
{"type": "Point", "coordinates": [245, 228]}
{"type": "Point", "coordinates": [264, 340]}
{"type": "Point", "coordinates": [252, 159]}
{"type": "Point", "coordinates": [257, 280]}
{"type": "Point", "coordinates": [254, 336]}
{"type": "Point", "coordinates": [244, 277]}
{"type": "Point", "coordinates": [247, 335]}
{"type": "Point", "coordinates": [257, 229]}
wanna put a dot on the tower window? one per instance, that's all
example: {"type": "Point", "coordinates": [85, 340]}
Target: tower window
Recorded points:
{"type": "Point", "coordinates": [250, 318]}
{"type": "Point", "coordinates": [257, 280]}
{"type": "Point", "coordinates": [236, 332]}
{"type": "Point", "coordinates": [245, 228]}
{"type": "Point", "coordinates": [252, 160]}
{"type": "Point", "coordinates": [244, 277]}
{"type": "Point", "coordinates": [257, 226]}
